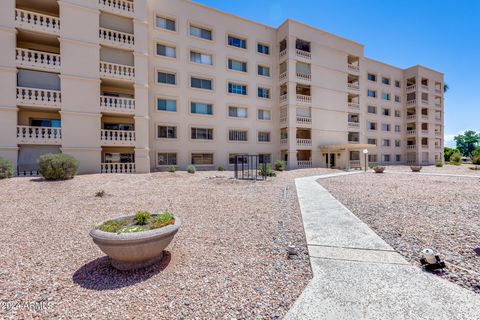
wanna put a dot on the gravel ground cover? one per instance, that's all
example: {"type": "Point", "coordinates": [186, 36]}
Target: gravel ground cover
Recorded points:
{"type": "Point", "coordinates": [412, 212]}
{"type": "Point", "coordinates": [228, 261]}
{"type": "Point", "coordinates": [463, 169]}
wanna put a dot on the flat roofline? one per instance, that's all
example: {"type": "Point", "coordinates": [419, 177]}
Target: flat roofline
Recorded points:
{"type": "Point", "coordinates": [386, 64]}
{"type": "Point", "coordinates": [416, 66]}
{"type": "Point", "coordinates": [423, 67]}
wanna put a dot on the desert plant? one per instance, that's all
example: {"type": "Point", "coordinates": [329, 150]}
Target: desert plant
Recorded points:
{"type": "Point", "coordinates": [221, 168]}
{"type": "Point", "coordinates": [162, 220]}
{"type": "Point", "coordinates": [172, 169]}
{"type": "Point", "coordinates": [100, 194]}
{"type": "Point", "coordinates": [6, 168]}
{"type": "Point", "coordinates": [279, 165]}
{"type": "Point", "coordinates": [266, 170]}
{"type": "Point", "coordinates": [191, 169]}
{"type": "Point", "coordinates": [476, 159]}
{"type": "Point", "coordinates": [57, 166]}
{"type": "Point", "coordinates": [438, 163]}
{"type": "Point", "coordinates": [142, 218]}
{"type": "Point", "coordinates": [456, 157]}
{"type": "Point", "coordinates": [113, 225]}
{"type": "Point", "coordinates": [378, 169]}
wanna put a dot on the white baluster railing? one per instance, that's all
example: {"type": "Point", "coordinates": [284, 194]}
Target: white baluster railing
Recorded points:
{"type": "Point", "coordinates": [411, 87]}
{"type": "Point", "coordinates": [411, 132]}
{"type": "Point", "coordinates": [304, 99]}
{"type": "Point", "coordinates": [38, 97]}
{"type": "Point", "coordinates": [304, 164]}
{"type": "Point", "coordinates": [39, 135]}
{"type": "Point", "coordinates": [119, 104]}
{"type": "Point", "coordinates": [304, 54]}
{"type": "Point", "coordinates": [118, 167]}
{"type": "Point", "coordinates": [283, 53]}
{"type": "Point", "coordinates": [120, 6]}
{"type": "Point", "coordinates": [304, 142]}
{"type": "Point", "coordinates": [304, 121]}
{"type": "Point", "coordinates": [283, 98]}
{"type": "Point", "coordinates": [37, 21]}
{"type": "Point", "coordinates": [304, 77]}
{"type": "Point", "coordinates": [353, 68]}
{"type": "Point", "coordinates": [122, 39]}
{"type": "Point", "coordinates": [117, 71]}
{"type": "Point", "coordinates": [37, 59]}
{"type": "Point", "coordinates": [353, 86]}
{"type": "Point", "coordinates": [354, 105]}
{"type": "Point", "coordinates": [117, 137]}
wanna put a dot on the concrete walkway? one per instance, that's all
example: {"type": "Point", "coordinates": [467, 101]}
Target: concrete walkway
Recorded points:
{"type": "Point", "coordinates": [357, 275]}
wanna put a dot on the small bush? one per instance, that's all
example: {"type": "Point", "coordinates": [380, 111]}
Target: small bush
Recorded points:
{"type": "Point", "coordinates": [456, 157]}
{"type": "Point", "coordinates": [172, 169]}
{"type": "Point", "coordinates": [475, 168]}
{"type": "Point", "coordinates": [100, 194]}
{"type": "Point", "coordinates": [191, 169]}
{"type": "Point", "coordinates": [57, 166]}
{"type": "Point", "coordinates": [221, 168]}
{"type": "Point", "coordinates": [438, 164]}
{"type": "Point", "coordinates": [268, 170]}
{"type": "Point", "coordinates": [6, 168]}
{"type": "Point", "coordinates": [113, 225]}
{"type": "Point", "coordinates": [378, 169]}
{"type": "Point", "coordinates": [162, 220]}
{"type": "Point", "coordinates": [279, 165]}
{"type": "Point", "coordinates": [142, 218]}
{"type": "Point", "coordinates": [476, 159]}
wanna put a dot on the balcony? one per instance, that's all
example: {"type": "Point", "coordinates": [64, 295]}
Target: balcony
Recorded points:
{"type": "Point", "coordinates": [353, 68]}
{"type": "Point", "coordinates": [411, 87]}
{"type": "Point", "coordinates": [283, 53]}
{"type": "Point", "coordinates": [411, 102]}
{"type": "Point", "coordinates": [284, 142]}
{"type": "Point", "coordinates": [38, 97]}
{"type": "Point", "coordinates": [39, 135]}
{"type": "Point", "coordinates": [304, 99]}
{"type": "Point", "coordinates": [424, 101]}
{"type": "Point", "coordinates": [354, 125]}
{"type": "Point", "coordinates": [283, 97]}
{"type": "Point", "coordinates": [117, 71]}
{"type": "Point", "coordinates": [116, 39]}
{"type": "Point", "coordinates": [118, 167]}
{"type": "Point", "coordinates": [438, 133]}
{"type": "Point", "coordinates": [121, 7]}
{"type": "Point", "coordinates": [283, 76]}
{"type": "Point", "coordinates": [37, 60]}
{"type": "Point", "coordinates": [303, 54]}
{"type": "Point", "coordinates": [424, 132]}
{"type": "Point", "coordinates": [411, 147]}
{"type": "Point", "coordinates": [354, 105]}
{"type": "Point", "coordinates": [353, 86]}
{"type": "Point", "coordinates": [304, 77]}
{"type": "Point", "coordinates": [304, 164]}
{"type": "Point", "coordinates": [304, 121]}
{"type": "Point", "coordinates": [412, 117]}
{"type": "Point", "coordinates": [117, 104]}
{"type": "Point", "coordinates": [37, 22]}
{"type": "Point", "coordinates": [411, 132]}
{"type": "Point", "coordinates": [438, 104]}
{"type": "Point", "coordinates": [304, 142]}
{"type": "Point", "coordinates": [117, 137]}
{"type": "Point", "coordinates": [355, 164]}
{"type": "Point", "coordinates": [425, 117]}
{"type": "Point", "coordinates": [424, 146]}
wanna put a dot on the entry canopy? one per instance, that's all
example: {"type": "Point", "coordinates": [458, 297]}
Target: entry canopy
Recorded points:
{"type": "Point", "coordinates": [347, 147]}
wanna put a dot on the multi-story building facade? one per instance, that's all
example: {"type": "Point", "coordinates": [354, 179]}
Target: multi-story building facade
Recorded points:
{"type": "Point", "coordinates": [137, 86]}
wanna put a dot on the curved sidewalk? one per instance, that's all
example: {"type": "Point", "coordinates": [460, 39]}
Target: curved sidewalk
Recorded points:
{"type": "Point", "coordinates": [357, 275]}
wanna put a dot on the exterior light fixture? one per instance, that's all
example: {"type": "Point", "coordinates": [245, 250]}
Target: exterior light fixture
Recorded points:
{"type": "Point", "coordinates": [431, 261]}
{"type": "Point", "coordinates": [365, 152]}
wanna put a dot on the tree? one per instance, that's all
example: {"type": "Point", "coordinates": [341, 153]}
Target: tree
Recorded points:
{"type": "Point", "coordinates": [445, 87]}
{"type": "Point", "coordinates": [447, 153]}
{"type": "Point", "coordinates": [467, 142]}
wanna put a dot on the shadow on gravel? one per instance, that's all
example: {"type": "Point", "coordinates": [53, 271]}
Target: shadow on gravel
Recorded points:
{"type": "Point", "coordinates": [100, 275]}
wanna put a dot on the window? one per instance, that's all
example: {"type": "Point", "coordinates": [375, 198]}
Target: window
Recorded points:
{"type": "Point", "coordinates": [372, 109]}
{"type": "Point", "coordinates": [386, 81]}
{"type": "Point", "coordinates": [237, 65]}
{"type": "Point", "coordinates": [236, 88]}
{"type": "Point", "coordinates": [385, 127]}
{"type": "Point", "coordinates": [200, 83]}
{"type": "Point", "coordinates": [167, 132]}
{"type": "Point", "coordinates": [166, 77]}
{"type": "Point", "coordinates": [116, 157]}
{"type": "Point", "coordinates": [237, 135]}
{"type": "Point", "coordinates": [385, 111]}
{"type": "Point", "coordinates": [201, 108]}
{"type": "Point", "coordinates": [106, 126]}
{"type": "Point", "coordinates": [264, 158]}
{"type": "Point", "coordinates": [48, 123]}
{"type": "Point", "coordinates": [237, 112]}
{"type": "Point", "coordinates": [167, 159]}
{"type": "Point", "coordinates": [372, 93]}
{"type": "Point", "coordinates": [372, 141]}
{"type": "Point", "coordinates": [263, 93]}
{"type": "Point", "coordinates": [386, 143]}
{"type": "Point", "coordinates": [166, 105]}
{"type": "Point", "coordinates": [237, 42]}
{"type": "Point", "coordinates": [263, 136]}
{"type": "Point", "coordinates": [385, 96]}
{"type": "Point", "coordinates": [398, 143]}
{"type": "Point", "coordinates": [201, 58]}
{"type": "Point", "coordinates": [202, 134]}
{"type": "Point", "coordinates": [263, 71]}
{"type": "Point", "coordinates": [200, 159]}
{"type": "Point", "coordinates": [263, 48]}
{"type": "Point", "coordinates": [264, 114]}
{"type": "Point", "coordinates": [200, 33]}
{"type": "Point", "coordinates": [231, 158]}
{"type": "Point", "coordinates": [372, 77]}
{"type": "Point", "coordinates": [397, 84]}
{"type": "Point", "coordinates": [166, 51]}
{"type": "Point", "coordinates": [398, 113]}
{"type": "Point", "coordinates": [386, 158]}
{"type": "Point", "coordinates": [397, 128]}
{"type": "Point", "coordinates": [372, 126]}
{"type": "Point", "coordinates": [165, 23]}
{"type": "Point", "coordinates": [397, 98]}
{"type": "Point", "coordinates": [372, 158]}
{"type": "Point", "coordinates": [398, 158]}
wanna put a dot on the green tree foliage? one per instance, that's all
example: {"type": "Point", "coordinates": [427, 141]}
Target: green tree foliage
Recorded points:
{"type": "Point", "coordinates": [467, 142]}
{"type": "Point", "coordinates": [456, 157]}
{"type": "Point", "coordinates": [447, 153]}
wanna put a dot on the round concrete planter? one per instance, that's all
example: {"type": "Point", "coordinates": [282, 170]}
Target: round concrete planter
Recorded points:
{"type": "Point", "coordinates": [135, 250]}
{"type": "Point", "coordinates": [378, 169]}
{"type": "Point", "coordinates": [415, 168]}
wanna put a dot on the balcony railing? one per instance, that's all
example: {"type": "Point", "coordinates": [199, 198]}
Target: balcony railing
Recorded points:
{"type": "Point", "coordinates": [304, 121]}
{"type": "Point", "coordinates": [37, 59]}
{"type": "Point", "coordinates": [283, 76]}
{"type": "Point", "coordinates": [304, 54]}
{"type": "Point", "coordinates": [411, 102]}
{"type": "Point", "coordinates": [412, 117]}
{"type": "Point", "coordinates": [304, 77]}
{"type": "Point", "coordinates": [117, 71]}
{"type": "Point", "coordinates": [283, 98]}
{"type": "Point", "coordinates": [117, 137]}
{"type": "Point", "coordinates": [424, 101]}
{"type": "Point", "coordinates": [117, 104]}
{"type": "Point", "coordinates": [411, 147]}
{"type": "Point", "coordinates": [283, 53]}
{"type": "Point", "coordinates": [118, 167]}
{"type": "Point", "coordinates": [37, 21]}
{"type": "Point", "coordinates": [411, 87]}
{"type": "Point", "coordinates": [353, 68]}
{"type": "Point", "coordinates": [424, 117]}
{"type": "Point", "coordinates": [353, 141]}
{"type": "Point", "coordinates": [304, 164]}
{"type": "Point", "coordinates": [304, 99]}
{"type": "Point", "coordinates": [354, 164]}
{"type": "Point", "coordinates": [38, 97]}
{"type": "Point", "coordinates": [116, 38]}
{"type": "Point", "coordinates": [411, 132]}
{"type": "Point", "coordinates": [39, 135]}
{"type": "Point", "coordinates": [355, 125]}
{"type": "Point", "coordinates": [118, 6]}
{"type": "Point", "coordinates": [353, 86]}
{"type": "Point", "coordinates": [424, 87]}
{"type": "Point", "coordinates": [304, 142]}
{"type": "Point", "coordinates": [283, 141]}
{"type": "Point", "coordinates": [424, 146]}
{"type": "Point", "coordinates": [354, 105]}
{"type": "Point", "coordinates": [424, 132]}
{"type": "Point", "coordinates": [438, 104]}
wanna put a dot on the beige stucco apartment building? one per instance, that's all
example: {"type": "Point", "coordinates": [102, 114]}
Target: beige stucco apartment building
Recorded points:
{"type": "Point", "coordinates": [137, 86]}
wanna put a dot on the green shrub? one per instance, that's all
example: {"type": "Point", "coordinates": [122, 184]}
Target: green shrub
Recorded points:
{"type": "Point", "coordinates": [57, 166]}
{"type": "Point", "coordinates": [456, 157]}
{"type": "Point", "coordinates": [172, 169]}
{"type": "Point", "coordinates": [221, 168]}
{"type": "Point", "coordinates": [438, 163]}
{"type": "Point", "coordinates": [476, 159]}
{"type": "Point", "coordinates": [142, 218]}
{"type": "Point", "coordinates": [113, 225]}
{"type": "Point", "coordinates": [191, 169]}
{"type": "Point", "coordinates": [268, 170]}
{"type": "Point", "coordinates": [6, 168]}
{"type": "Point", "coordinates": [279, 165]}
{"type": "Point", "coordinates": [162, 220]}
{"type": "Point", "coordinates": [378, 168]}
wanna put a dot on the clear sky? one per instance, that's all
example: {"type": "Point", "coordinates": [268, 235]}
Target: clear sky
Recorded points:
{"type": "Point", "coordinates": [440, 34]}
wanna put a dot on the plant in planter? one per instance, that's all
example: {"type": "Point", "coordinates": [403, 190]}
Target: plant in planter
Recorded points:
{"type": "Point", "coordinates": [416, 168]}
{"type": "Point", "coordinates": [6, 168]}
{"type": "Point", "coordinates": [136, 241]}
{"type": "Point", "coordinates": [438, 163]}
{"type": "Point", "coordinates": [378, 169]}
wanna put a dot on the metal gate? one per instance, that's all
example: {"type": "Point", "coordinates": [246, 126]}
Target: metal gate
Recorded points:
{"type": "Point", "coordinates": [247, 167]}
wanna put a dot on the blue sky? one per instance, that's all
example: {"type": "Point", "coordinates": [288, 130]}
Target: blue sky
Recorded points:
{"type": "Point", "coordinates": [439, 34]}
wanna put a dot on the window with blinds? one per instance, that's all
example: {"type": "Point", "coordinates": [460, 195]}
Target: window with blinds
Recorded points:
{"type": "Point", "coordinates": [238, 135]}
